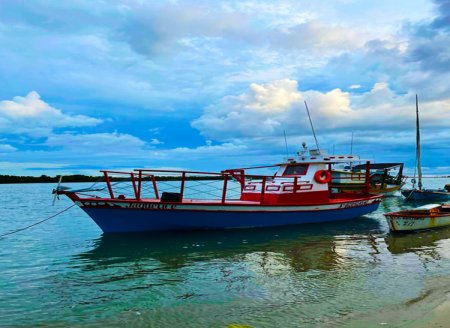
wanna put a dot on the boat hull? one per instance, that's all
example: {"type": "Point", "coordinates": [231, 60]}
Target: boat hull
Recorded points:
{"type": "Point", "coordinates": [426, 195]}
{"type": "Point", "coordinates": [398, 223]}
{"type": "Point", "coordinates": [386, 190]}
{"type": "Point", "coordinates": [140, 217]}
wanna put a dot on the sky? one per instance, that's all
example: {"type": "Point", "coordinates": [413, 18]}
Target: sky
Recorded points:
{"type": "Point", "coordinates": [210, 85]}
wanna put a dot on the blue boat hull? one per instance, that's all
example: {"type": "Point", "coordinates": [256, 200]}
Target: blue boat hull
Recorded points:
{"type": "Point", "coordinates": [116, 220]}
{"type": "Point", "coordinates": [426, 195]}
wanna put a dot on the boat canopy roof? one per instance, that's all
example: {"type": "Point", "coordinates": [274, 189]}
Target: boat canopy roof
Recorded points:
{"type": "Point", "coordinates": [428, 207]}
{"type": "Point", "coordinates": [320, 156]}
{"type": "Point", "coordinates": [378, 166]}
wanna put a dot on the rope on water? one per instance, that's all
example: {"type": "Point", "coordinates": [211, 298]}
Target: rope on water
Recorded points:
{"type": "Point", "coordinates": [35, 224]}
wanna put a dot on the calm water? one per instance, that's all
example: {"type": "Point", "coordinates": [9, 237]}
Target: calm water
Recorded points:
{"type": "Point", "coordinates": [64, 272]}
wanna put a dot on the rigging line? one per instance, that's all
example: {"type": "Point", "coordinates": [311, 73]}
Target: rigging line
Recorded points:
{"type": "Point", "coordinates": [35, 224]}
{"type": "Point", "coordinates": [312, 126]}
{"type": "Point", "coordinates": [285, 143]}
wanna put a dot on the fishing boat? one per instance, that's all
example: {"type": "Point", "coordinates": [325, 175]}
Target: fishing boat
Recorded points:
{"type": "Point", "coordinates": [423, 217]}
{"type": "Point", "coordinates": [299, 191]}
{"type": "Point", "coordinates": [385, 178]}
{"type": "Point", "coordinates": [420, 193]}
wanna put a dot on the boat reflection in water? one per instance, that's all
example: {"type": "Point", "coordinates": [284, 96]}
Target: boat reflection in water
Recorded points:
{"type": "Point", "coordinates": [426, 242]}
{"type": "Point", "coordinates": [312, 246]}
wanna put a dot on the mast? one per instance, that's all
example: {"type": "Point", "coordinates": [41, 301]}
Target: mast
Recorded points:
{"type": "Point", "coordinates": [419, 167]}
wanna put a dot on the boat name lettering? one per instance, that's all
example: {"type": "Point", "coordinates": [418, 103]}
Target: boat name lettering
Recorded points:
{"type": "Point", "coordinates": [355, 204]}
{"type": "Point", "coordinates": [156, 206]}
{"type": "Point", "coordinates": [407, 222]}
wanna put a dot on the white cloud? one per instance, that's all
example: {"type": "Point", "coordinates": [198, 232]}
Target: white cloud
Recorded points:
{"type": "Point", "coordinates": [97, 144]}
{"type": "Point", "coordinates": [5, 148]}
{"type": "Point", "coordinates": [155, 141]}
{"type": "Point", "coordinates": [11, 166]}
{"type": "Point", "coordinates": [319, 37]}
{"type": "Point", "coordinates": [31, 115]}
{"type": "Point", "coordinates": [268, 109]}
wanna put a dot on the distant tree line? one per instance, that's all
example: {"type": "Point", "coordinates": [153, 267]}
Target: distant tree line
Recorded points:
{"type": "Point", "coordinates": [86, 178]}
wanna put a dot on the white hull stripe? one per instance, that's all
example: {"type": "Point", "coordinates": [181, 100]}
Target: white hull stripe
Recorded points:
{"type": "Point", "coordinates": [227, 208]}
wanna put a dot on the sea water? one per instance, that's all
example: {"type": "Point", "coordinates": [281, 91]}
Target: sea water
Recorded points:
{"type": "Point", "coordinates": [65, 273]}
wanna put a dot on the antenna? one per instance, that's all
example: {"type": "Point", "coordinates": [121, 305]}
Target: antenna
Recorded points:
{"type": "Point", "coordinates": [312, 126]}
{"type": "Point", "coordinates": [285, 143]}
{"type": "Point", "coordinates": [351, 145]}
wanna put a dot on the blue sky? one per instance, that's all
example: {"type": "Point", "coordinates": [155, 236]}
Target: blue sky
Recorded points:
{"type": "Point", "coordinates": [209, 85]}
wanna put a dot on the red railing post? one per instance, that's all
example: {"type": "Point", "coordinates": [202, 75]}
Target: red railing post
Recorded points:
{"type": "Point", "coordinates": [330, 189]}
{"type": "Point", "coordinates": [139, 185]}
{"type": "Point", "coordinates": [295, 184]}
{"type": "Point", "coordinates": [263, 189]}
{"type": "Point", "coordinates": [108, 183]}
{"type": "Point", "coordinates": [133, 181]}
{"type": "Point", "coordinates": [367, 177]}
{"type": "Point", "coordinates": [183, 176]}
{"type": "Point", "coordinates": [155, 187]}
{"type": "Point", "coordinates": [224, 191]}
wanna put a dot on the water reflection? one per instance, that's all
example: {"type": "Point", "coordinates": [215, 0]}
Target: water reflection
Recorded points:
{"type": "Point", "coordinates": [415, 242]}
{"type": "Point", "coordinates": [305, 247]}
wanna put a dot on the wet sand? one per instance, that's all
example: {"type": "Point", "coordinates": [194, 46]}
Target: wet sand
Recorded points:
{"type": "Point", "coordinates": [429, 310]}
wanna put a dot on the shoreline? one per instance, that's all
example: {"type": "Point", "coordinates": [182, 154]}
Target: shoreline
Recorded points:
{"type": "Point", "coordinates": [431, 309]}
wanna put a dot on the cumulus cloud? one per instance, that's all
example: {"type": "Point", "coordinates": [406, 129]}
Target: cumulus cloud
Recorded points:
{"type": "Point", "coordinates": [137, 59]}
{"type": "Point", "coordinates": [31, 115]}
{"type": "Point", "coordinates": [268, 109]}
{"type": "Point", "coordinates": [254, 113]}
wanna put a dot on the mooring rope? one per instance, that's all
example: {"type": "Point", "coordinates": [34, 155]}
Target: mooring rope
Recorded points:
{"type": "Point", "coordinates": [35, 224]}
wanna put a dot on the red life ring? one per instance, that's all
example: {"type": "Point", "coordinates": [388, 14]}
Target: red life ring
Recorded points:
{"type": "Point", "coordinates": [322, 176]}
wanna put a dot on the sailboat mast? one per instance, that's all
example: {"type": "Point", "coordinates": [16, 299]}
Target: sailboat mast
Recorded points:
{"type": "Point", "coordinates": [419, 166]}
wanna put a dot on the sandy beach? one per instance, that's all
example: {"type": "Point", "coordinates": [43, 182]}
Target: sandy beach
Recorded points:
{"type": "Point", "coordinates": [431, 309]}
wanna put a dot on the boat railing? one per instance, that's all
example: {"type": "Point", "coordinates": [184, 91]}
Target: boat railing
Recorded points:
{"type": "Point", "coordinates": [177, 186]}
{"type": "Point", "coordinates": [172, 185]}
{"type": "Point", "coordinates": [351, 176]}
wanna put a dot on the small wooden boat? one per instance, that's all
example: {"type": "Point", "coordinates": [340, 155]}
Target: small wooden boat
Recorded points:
{"type": "Point", "coordinates": [423, 217]}
{"type": "Point", "coordinates": [385, 178]}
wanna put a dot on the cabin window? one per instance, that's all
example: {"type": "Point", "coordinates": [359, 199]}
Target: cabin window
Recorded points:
{"type": "Point", "coordinates": [249, 187]}
{"type": "Point", "coordinates": [288, 188]}
{"type": "Point", "coordinates": [304, 187]}
{"type": "Point", "coordinates": [298, 169]}
{"type": "Point", "coordinates": [272, 188]}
